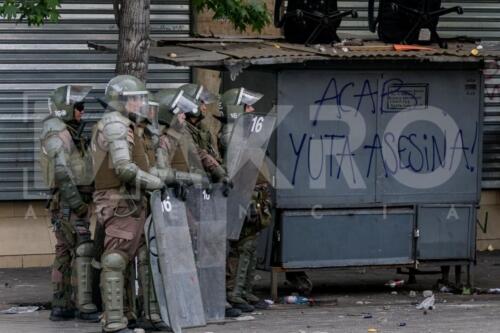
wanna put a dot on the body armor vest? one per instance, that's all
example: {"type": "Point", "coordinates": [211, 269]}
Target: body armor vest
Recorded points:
{"type": "Point", "coordinates": [150, 148]}
{"type": "Point", "coordinates": [179, 150]}
{"type": "Point", "coordinates": [106, 177]}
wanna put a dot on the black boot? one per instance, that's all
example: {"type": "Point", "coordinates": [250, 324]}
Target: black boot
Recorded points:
{"type": "Point", "coordinates": [261, 305]}
{"type": "Point", "coordinates": [244, 307]}
{"type": "Point", "coordinates": [61, 314]}
{"type": "Point", "coordinates": [149, 325]}
{"type": "Point", "coordinates": [93, 317]}
{"type": "Point", "coordinates": [232, 312]}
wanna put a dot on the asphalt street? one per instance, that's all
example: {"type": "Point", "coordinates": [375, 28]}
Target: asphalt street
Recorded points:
{"type": "Point", "coordinates": [354, 300]}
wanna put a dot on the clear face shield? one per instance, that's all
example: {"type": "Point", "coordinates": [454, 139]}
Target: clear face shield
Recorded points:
{"type": "Point", "coordinates": [76, 94]}
{"type": "Point", "coordinates": [153, 111]}
{"type": "Point", "coordinates": [137, 103]}
{"type": "Point", "coordinates": [184, 104]}
{"type": "Point", "coordinates": [205, 96]}
{"type": "Point", "coordinates": [248, 97]}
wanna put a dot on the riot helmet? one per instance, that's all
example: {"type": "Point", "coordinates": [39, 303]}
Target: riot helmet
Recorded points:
{"type": "Point", "coordinates": [202, 96]}
{"type": "Point", "coordinates": [199, 93]}
{"type": "Point", "coordinates": [234, 100]}
{"type": "Point", "coordinates": [128, 95]}
{"type": "Point", "coordinates": [173, 102]}
{"type": "Point", "coordinates": [64, 100]}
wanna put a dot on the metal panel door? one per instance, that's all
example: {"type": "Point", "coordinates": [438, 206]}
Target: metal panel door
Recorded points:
{"type": "Point", "coordinates": [323, 127]}
{"type": "Point", "coordinates": [445, 232]}
{"type": "Point", "coordinates": [312, 239]}
{"type": "Point", "coordinates": [429, 127]}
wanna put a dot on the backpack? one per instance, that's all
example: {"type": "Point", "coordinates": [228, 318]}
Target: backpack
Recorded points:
{"type": "Point", "coordinates": [395, 27]}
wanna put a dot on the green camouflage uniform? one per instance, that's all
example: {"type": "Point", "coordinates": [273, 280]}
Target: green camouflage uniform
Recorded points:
{"type": "Point", "coordinates": [242, 259]}
{"type": "Point", "coordinates": [67, 170]}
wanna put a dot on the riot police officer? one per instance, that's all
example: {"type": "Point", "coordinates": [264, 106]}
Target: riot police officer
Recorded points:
{"type": "Point", "coordinates": [122, 177]}
{"type": "Point", "coordinates": [149, 312]}
{"type": "Point", "coordinates": [67, 170]}
{"type": "Point", "coordinates": [205, 145]}
{"type": "Point", "coordinates": [201, 136]}
{"type": "Point", "coordinates": [242, 259]}
{"type": "Point", "coordinates": [178, 147]}
{"type": "Point", "coordinates": [197, 128]}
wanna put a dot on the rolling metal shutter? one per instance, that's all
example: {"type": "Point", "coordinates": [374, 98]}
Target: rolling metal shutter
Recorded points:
{"type": "Point", "coordinates": [491, 127]}
{"type": "Point", "coordinates": [480, 20]}
{"type": "Point", "coordinates": [35, 60]}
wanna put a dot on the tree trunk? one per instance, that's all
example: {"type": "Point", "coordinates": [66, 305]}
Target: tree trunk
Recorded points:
{"type": "Point", "coordinates": [132, 18]}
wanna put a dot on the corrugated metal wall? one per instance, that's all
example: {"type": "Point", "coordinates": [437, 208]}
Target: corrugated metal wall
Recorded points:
{"type": "Point", "coordinates": [480, 20]}
{"type": "Point", "coordinates": [491, 137]}
{"type": "Point", "coordinates": [34, 60]}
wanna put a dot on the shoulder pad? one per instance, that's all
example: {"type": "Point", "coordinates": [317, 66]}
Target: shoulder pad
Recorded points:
{"type": "Point", "coordinates": [52, 144]}
{"type": "Point", "coordinates": [51, 125]}
{"type": "Point", "coordinates": [115, 116]}
{"type": "Point", "coordinates": [114, 126]}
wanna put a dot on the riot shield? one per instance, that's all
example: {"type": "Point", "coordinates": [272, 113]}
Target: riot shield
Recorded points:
{"type": "Point", "coordinates": [154, 265]}
{"type": "Point", "coordinates": [176, 263]}
{"type": "Point", "coordinates": [245, 155]}
{"type": "Point", "coordinates": [207, 212]}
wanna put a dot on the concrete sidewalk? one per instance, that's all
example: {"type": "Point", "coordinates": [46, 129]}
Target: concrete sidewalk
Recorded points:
{"type": "Point", "coordinates": [349, 301]}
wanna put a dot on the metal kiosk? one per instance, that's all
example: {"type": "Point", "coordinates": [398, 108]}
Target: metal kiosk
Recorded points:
{"type": "Point", "coordinates": [377, 152]}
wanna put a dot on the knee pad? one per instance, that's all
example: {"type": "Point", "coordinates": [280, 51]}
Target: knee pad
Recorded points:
{"type": "Point", "coordinates": [114, 261]}
{"type": "Point", "coordinates": [85, 250]}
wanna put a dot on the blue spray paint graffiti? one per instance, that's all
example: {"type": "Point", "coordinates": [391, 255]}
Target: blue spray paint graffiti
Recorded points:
{"type": "Point", "coordinates": [368, 93]}
{"type": "Point", "coordinates": [405, 151]}
{"type": "Point", "coordinates": [420, 152]}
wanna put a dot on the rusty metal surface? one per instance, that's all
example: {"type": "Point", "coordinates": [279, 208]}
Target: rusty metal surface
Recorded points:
{"type": "Point", "coordinates": [187, 56]}
{"type": "Point", "coordinates": [199, 52]}
{"type": "Point", "coordinates": [251, 50]}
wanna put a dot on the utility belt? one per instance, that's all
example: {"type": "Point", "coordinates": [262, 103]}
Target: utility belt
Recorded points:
{"type": "Point", "coordinates": [134, 199]}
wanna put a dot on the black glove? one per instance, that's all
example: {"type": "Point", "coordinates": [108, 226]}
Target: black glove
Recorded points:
{"type": "Point", "coordinates": [253, 211]}
{"type": "Point", "coordinates": [227, 186]}
{"type": "Point", "coordinates": [181, 191]}
{"type": "Point", "coordinates": [164, 192]}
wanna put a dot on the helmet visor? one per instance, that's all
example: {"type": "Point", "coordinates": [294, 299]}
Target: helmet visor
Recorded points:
{"type": "Point", "coordinates": [205, 96]}
{"type": "Point", "coordinates": [248, 97]}
{"type": "Point", "coordinates": [153, 110]}
{"type": "Point", "coordinates": [184, 104]}
{"type": "Point", "coordinates": [76, 93]}
{"type": "Point", "coordinates": [137, 102]}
